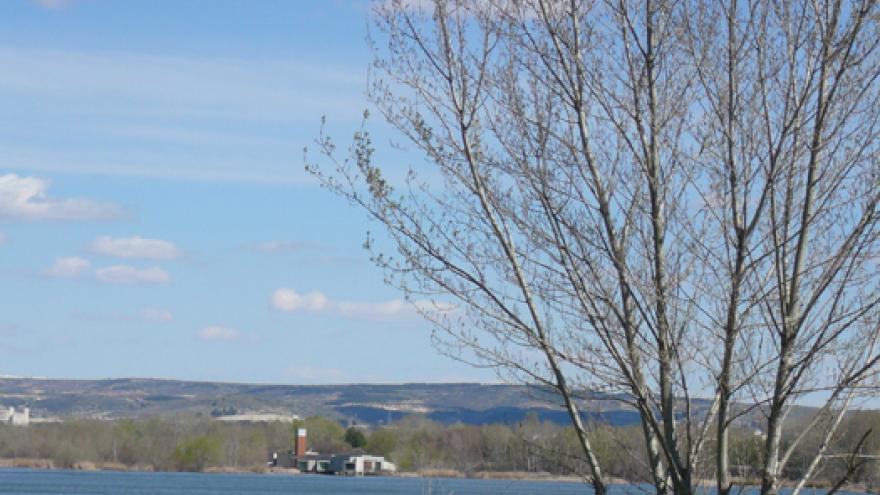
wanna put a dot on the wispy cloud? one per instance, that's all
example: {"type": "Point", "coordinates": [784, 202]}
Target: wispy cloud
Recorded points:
{"type": "Point", "coordinates": [310, 374]}
{"type": "Point", "coordinates": [239, 86]}
{"type": "Point", "coordinates": [155, 315]}
{"type": "Point", "coordinates": [129, 275]}
{"type": "Point", "coordinates": [426, 7]}
{"type": "Point", "coordinates": [422, 6]}
{"type": "Point", "coordinates": [68, 267]}
{"type": "Point", "coordinates": [26, 199]}
{"type": "Point", "coordinates": [215, 332]}
{"type": "Point", "coordinates": [148, 315]}
{"type": "Point", "coordinates": [53, 4]}
{"type": "Point", "coordinates": [307, 251]}
{"type": "Point", "coordinates": [290, 301]}
{"type": "Point", "coordinates": [183, 98]}
{"type": "Point", "coordinates": [135, 247]}
{"type": "Point", "coordinates": [286, 246]}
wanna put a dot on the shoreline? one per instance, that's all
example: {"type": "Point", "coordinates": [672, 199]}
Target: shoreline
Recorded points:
{"type": "Point", "coordinates": [88, 466]}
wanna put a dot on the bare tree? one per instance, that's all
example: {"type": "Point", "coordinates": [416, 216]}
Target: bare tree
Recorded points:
{"type": "Point", "coordinates": [662, 200]}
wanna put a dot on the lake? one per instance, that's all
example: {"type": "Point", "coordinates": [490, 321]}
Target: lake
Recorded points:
{"type": "Point", "coordinates": [33, 482]}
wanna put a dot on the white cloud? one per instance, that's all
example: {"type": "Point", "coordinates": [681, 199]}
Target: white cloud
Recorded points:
{"type": "Point", "coordinates": [155, 315]}
{"type": "Point", "coordinates": [135, 247]}
{"type": "Point", "coordinates": [3, 238]}
{"type": "Point", "coordinates": [68, 266]}
{"type": "Point", "coordinates": [215, 332]}
{"type": "Point", "coordinates": [290, 301]}
{"type": "Point", "coordinates": [25, 199]}
{"type": "Point", "coordinates": [124, 274]}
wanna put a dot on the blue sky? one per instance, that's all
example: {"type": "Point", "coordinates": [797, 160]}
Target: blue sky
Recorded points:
{"type": "Point", "coordinates": [155, 218]}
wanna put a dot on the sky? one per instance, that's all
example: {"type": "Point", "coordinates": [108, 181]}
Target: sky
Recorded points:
{"type": "Point", "coordinates": [155, 216]}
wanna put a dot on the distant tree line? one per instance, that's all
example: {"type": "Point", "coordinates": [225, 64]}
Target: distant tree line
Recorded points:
{"type": "Point", "coordinates": [162, 444]}
{"type": "Point", "coordinates": [415, 443]}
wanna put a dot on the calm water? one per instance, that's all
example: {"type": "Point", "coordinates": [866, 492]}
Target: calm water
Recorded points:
{"type": "Point", "coordinates": [33, 482]}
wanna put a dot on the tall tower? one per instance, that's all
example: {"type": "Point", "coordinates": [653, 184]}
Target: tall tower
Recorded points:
{"type": "Point", "coordinates": [300, 442]}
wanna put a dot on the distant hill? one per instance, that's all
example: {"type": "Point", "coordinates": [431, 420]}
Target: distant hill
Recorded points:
{"type": "Point", "coordinates": [372, 404]}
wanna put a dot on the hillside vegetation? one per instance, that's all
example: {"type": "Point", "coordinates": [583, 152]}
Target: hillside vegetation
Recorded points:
{"type": "Point", "coordinates": [447, 403]}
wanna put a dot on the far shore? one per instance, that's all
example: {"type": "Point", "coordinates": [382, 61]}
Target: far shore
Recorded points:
{"type": "Point", "coordinates": [48, 464]}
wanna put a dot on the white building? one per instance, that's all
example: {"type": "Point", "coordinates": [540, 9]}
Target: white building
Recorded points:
{"type": "Point", "coordinates": [259, 418]}
{"type": "Point", "coordinates": [13, 417]}
{"type": "Point", "coordinates": [360, 464]}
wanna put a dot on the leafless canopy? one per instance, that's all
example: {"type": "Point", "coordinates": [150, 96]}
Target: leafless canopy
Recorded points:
{"type": "Point", "coordinates": [664, 200]}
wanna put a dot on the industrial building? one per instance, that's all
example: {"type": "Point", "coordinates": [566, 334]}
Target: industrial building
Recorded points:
{"type": "Point", "coordinates": [314, 463]}
{"type": "Point", "coordinates": [357, 464]}
{"type": "Point", "coordinates": [13, 417]}
{"type": "Point", "coordinates": [348, 464]}
{"type": "Point", "coordinates": [258, 418]}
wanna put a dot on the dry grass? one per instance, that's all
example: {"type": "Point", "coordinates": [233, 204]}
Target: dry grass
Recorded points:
{"type": "Point", "coordinates": [85, 466]}
{"type": "Point", "coordinates": [440, 473]}
{"type": "Point", "coordinates": [27, 463]}
{"type": "Point", "coordinates": [240, 469]}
